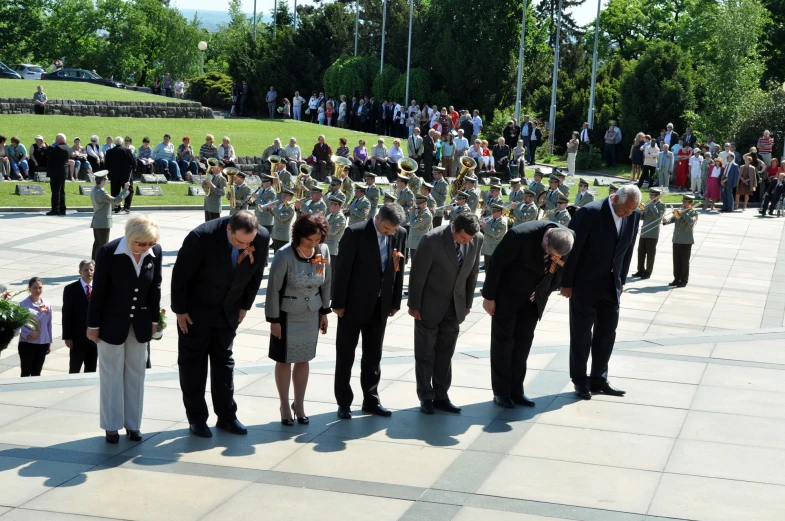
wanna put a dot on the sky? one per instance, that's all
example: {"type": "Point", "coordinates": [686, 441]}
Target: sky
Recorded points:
{"type": "Point", "coordinates": [583, 14]}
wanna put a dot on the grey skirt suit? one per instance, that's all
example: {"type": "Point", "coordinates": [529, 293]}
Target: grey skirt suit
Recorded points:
{"type": "Point", "coordinates": [297, 294]}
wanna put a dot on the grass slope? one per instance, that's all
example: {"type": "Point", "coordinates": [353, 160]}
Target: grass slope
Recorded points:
{"type": "Point", "coordinates": [73, 90]}
{"type": "Point", "coordinates": [249, 136]}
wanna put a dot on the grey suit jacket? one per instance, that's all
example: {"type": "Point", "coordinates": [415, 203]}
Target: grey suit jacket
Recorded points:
{"type": "Point", "coordinates": [435, 279]}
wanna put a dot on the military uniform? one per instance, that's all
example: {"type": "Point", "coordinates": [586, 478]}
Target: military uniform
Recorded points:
{"type": "Point", "coordinates": [459, 210]}
{"type": "Point", "coordinates": [264, 216]}
{"type": "Point", "coordinates": [311, 206]}
{"type": "Point", "coordinates": [682, 245]}
{"type": "Point", "coordinates": [563, 188]}
{"type": "Point", "coordinates": [359, 210]}
{"type": "Point", "coordinates": [583, 199]}
{"type": "Point", "coordinates": [561, 217]}
{"type": "Point", "coordinates": [473, 199]}
{"type": "Point", "coordinates": [415, 183]}
{"type": "Point", "coordinates": [516, 197]}
{"type": "Point", "coordinates": [241, 194]}
{"type": "Point", "coordinates": [213, 203]}
{"type": "Point", "coordinates": [337, 225]}
{"type": "Point", "coordinates": [406, 199]}
{"type": "Point", "coordinates": [102, 214]}
{"type": "Point", "coordinates": [551, 198]}
{"type": "Point", "coordinates": [439, 193]}
{"type": "Point", "coordinates": [430, 203]}
{"type": "Point", "coordinates": [282, 225]}
{"type": "Point", "coordinates": [650, 235]}
{"type": "Point", "coordinates": [537, 187]}
{"type": "Point", "coordinates": [486, 211]}
{"type": "Point", "coordinates": [286, 180]}
{"type": "Point", "coordinates": [525, 213]}
{"type": "Point", "coordinates": [337, 194]}
{"type": "Point", "coordinates": [373, 193]}
{"type": "Point", "coordinates": [347, 187]}
{"type": "Point", "coordinates": [420, 223]}
{"type": "Point", "coordinates": [494, 232]}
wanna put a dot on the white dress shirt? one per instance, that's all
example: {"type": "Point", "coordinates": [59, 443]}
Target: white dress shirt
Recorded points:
{"type": "Point", "coordinates": [123, 249]}
{"type": "Point", "coordinates": [85, 285]}
{"type": "Point", "coordinates": [616, 220]}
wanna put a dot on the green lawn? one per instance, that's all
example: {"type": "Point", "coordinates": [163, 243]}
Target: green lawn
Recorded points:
{"type": "Point", "coordinates": [73, 90]}
{"type": "Point", "coordinates": [249, 136]}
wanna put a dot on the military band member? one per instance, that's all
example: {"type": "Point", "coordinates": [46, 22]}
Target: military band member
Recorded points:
{"type": "Point", "coordinates": [265, 196]}
{"type": "Point", "coordinates": [426, 190]}
{"type": "Point", "coordinates": [315, 204]}
{"type": "Point", "coordinates": [242, 194]}
{"type": "Point", "coordinates": [284, 177]}
{"type": "Point", "coordinates": [583, 197]}
{"type": "Point", "coordinates": [415, 183]}
{"type": "Point", "coordinates": [336, 222]}
{"type": "Point", "coordinates": [214, 186]}
{"type": "Point", "coordinates": [612, 189]}
{"type": "Point", "coordinates": [389, 198]}
{"type": "Point", "coordinates": [682, 241]}
{"type": "Point", "coordinates": [461, 205]}
{"type": "Point", "coordinates": [404, 195]}
{"type": "Point", "coordinates": [563, 188]}
{"type": "Point", "coordinates": [650, 234]}
{"type": "Point", "coordinates": [440, 190]}
{"type": "Point", "coordinates": [372, 191]}
{"type": "Point", "coordinates": [493, 197]}
{"type": "Point", "coordinates": [527, 211]}
{"type": "Point", "coordinates": [494, 230]}
{"type": "Point", "coordinates": [347, 185]}
{"type": "Point", "coordinates": [517, 193]}
{"type": "Point", "coordinates": [360, 209]}
{"type": "Point", "coordinates": [102, 210]}
{"type": "Point", "coordinates": [335, 189]}
{"type": "Point", "coordinates": [420, 222]}
{"type": "Point", "coordinates": [537, 186]}
{"type": "Point", "coordinates": [473, 196]}
{"type": "Point", "coordinates": [283, 213]}
{"type": "Point", "coordinates": [561, 215]}
{"type": "Point", "coordinates": [552, 195]}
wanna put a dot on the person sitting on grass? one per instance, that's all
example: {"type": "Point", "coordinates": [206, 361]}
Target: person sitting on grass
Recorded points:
{"type": "Point", "coordinates": [17, 154]}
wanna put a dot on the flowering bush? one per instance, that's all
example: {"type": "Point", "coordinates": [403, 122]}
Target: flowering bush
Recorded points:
{"type": "Point", "coordinates": [162, 320]}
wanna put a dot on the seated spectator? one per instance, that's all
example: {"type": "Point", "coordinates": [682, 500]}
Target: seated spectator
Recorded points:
{"type": "Point", "coordinates": [95, 155]}
{"type": "Point", "coordinates": [378, 160]}
{"type": "Point", "coordinates": [78, 160]}
{"type": "Point", "coordinates": [144, 157]}
{"type": "Point", "coordinates": [475, 151]}
{"type": "Point", "coordinates": [394, 155]}
{"type": "Point", "coordinates": [487, 158]}
{"type": "Point", "coordinates": [293, 156]}
{"type": "Point", "coordinates": [108, 145]}
{"type": "Point", "coordinates": [17, 154]}
{"type": "Point", "coordinates": [163, 155]}
{"type": "Point", "coordinates": [129, 145]}
{"type": "Point", "coordinates": [519, 157]}
{"type": "Point", "coordinates": [360, 158]}
{"type": "Point", "coordinates": [40, 100]}
{"type": "Point", "coordinates": [342, 150]}
{"type": "Point", "coordinates": [186, 160]}
{"type": "Point", "coordinates": [5, 161]}
{"type": "Point", "coordinates": [501, 158]}
{"type": "Point", "coordinates": [206, 151]}
{"type": "Point", "coordinates": [226, 152]}
{"type": "Point", "coordinates": [273, 150]}
{"type": "Point", "coordinates": [38, 155]}
{"type": "Point", "coordinates": [322, 152]}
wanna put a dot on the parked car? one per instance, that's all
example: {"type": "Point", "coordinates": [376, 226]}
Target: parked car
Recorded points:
{"type": "Point", "coordinates": [28, 71]}
{"type": "Point", "coordinates": [80, 75]}
{"type": "Point", "coordinates": [6, 72]}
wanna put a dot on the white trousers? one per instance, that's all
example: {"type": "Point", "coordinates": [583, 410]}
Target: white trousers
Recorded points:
{"type": "Point", "coordinates": [297, 112]}
{"type": "Point", "coordinates": [121, 373]}
{"type": "Point", "coordinates": [695, 184]}
{"type": "Point", "coordinates": [571, 164]}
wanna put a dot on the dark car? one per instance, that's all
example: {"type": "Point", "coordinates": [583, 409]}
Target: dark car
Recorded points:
{"type": "Point", "coordinates": [6, 72]}
{"type": "Point", "coordinates": [80, 75]}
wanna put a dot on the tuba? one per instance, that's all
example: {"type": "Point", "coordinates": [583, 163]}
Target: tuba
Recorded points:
{"type": "Point", "coordinates": [408, 166]}
{"type": "Point", "coordinates": [467, 164]}
{"type": "Point", "coordinates": [230, 172]}
{"type": "Point", "coordinates": [509, 213]}
{"type": "Point", "coordinates": [274, 160]}
{"type": "Point", "coordinates": [299, 184]}
{"type": "Point", "coordinates": [339, 164]}
{"type": "Point", "coordinates": [208, 178]}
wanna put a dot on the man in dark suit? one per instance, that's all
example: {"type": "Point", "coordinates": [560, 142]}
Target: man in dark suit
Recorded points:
{"type": "Point", "coordinates": [689, 138]}
{"type": "Point", "coordinates": [593, 279]}
{"type": "Point", "coordinates": [522, 272]}
{"type": "Point", "coordinates": [775, 192]}
{"type": "Point", "coordinates": [214, 283]}
{"type": "Point", "coordinates": [501, 159]}
{"type": "Point", "coordinates": [373, 114]}
{"type": "Point", "coordinates": [428, 149]}
{"type": "Point", "coordinates": [584, 137]}
{"type": "Point", "coordinates": [355, 118]}
{"type": "Point", "coordinates": [57, 169]}
{"type": "Point", "coordinates": [671, 137]}
{"type": "Point", "coordinates": [120, 162]}
{"type": "Point", "coordinates": [441, 289]}
{"type": "Point", "coordinates": [366, 291]}
{"type": "Point", "coordinates": [76, 297]}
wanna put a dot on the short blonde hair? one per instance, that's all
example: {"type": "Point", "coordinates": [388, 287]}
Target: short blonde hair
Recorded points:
{"type": "Point", "coordinates": [142, 228]}
{"type": "Point", "coordinates": [210, 137]}
{"type": "Point", "coordinates": [226, 138]}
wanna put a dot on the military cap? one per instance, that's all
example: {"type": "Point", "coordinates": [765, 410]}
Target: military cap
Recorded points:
{"type": "Point", "coordinates": [358, 186]}
{"type": "Point", "coordinates": [559, 174]}
{"type": "Point", "coordinates": [614, 187]}
{"type": "Point", "coordinates": [583, 181]}
{"type": "Point", "coordinates": [369, 174]}
{"type": "Point", "coordinates": [529, 192]}
{"type": "Point", "coordinates": [496, 187]}
{"type": "Point", "coordinates": [494, 180]}
{"type": "Point", "coordinates": [317, 188]}
{"type": "Point", "coordinates": [390, 196]}
{"type": "Point", "coordinates": [515, 181]}
{"type": "Point", "coordinates": [268, 178]}
{"type": "Point", "coordinates": [439, 169]}
{"type": "Point", "coordinates": [403, 178]}
{"type": "Point", "coordinates": [655, 190]}
{"type": "Point", "coordinates": [429, 186]}
{"type": "Point", "coordinates": [420, 198]}
{"type": "Point", "coordinates": [101, 173]}
{"type": "Point", "coordinates": [461, 195]}
{"type": "Point", "coordinates": [688, 197]}
{"type": "Point", "coordinates": [286, 191]}
{"type": "Point", "coordinates": [538, 171]}
{"type": "Point", "coordinates": [335, 181]}
{"type": "Point", "coordinates": [553, 177]}
{"type": "Point", "coordinates": [241, 174]}
{"type": "Point", "coordinates": [336, 200]}
{"type": "Point", "coordinates": [497, 206]}
{"type": "Point", "coordinates": [470, 179]}
{"type": "Point", "coordinates": [561, 198]}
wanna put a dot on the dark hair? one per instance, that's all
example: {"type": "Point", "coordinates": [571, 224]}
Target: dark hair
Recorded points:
{"type": "Point", "coordinates": [244, 221]}
{"type": "Point", "coordinates": [85, 263]}
{"type": "Point", "coordinates": [342, 140]}
{"type": "Point", "coordinates": [468, 223]}
{"type": "Point", "coordinates": [392, 213]}
{"type": "Point", "coordinates": [145, 139]}
{"type": "Point", "coordinates": [33, 281]}
{"type": "Point", "coordinates": [309, 224]}
{"type": "Point", "coordinates": [2, 138]}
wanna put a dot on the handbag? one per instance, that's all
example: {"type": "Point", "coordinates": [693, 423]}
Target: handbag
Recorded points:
{"type": "Point", "coordinates": [308, 110]}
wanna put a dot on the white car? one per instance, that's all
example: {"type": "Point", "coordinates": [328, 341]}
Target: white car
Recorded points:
{"type": "Point", "coordinates": [28, 71]}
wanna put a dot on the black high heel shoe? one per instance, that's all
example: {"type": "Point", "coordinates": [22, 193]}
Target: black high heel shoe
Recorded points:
{"type": "Point", "coordinates": [286, 421]}
{"type": "Point", "coordinates": [134, 435]}
{"type": "Point", "coordinates": [112, 438]}
{"type": "Point", "coordinates": [302, 421]}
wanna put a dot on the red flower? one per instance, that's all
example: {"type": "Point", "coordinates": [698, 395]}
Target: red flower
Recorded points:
{"type": "Point", "coordinates": [163, 311]}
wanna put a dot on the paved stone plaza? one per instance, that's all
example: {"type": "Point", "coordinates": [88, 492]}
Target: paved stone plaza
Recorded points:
{"type": "Point", "coordinates": [699, 436]}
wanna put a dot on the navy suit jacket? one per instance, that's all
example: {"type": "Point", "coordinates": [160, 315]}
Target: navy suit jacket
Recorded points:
{"type": "Point", "coordinates": [598, 252]}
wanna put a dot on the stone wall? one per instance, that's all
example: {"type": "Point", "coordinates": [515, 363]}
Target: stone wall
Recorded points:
{"type": "Point", "coordinates": [122, 109]}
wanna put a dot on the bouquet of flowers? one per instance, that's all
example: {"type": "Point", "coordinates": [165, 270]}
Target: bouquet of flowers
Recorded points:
{"type": "Point", "coordinates": [159, 332]}
{"type": "Point", "coordinates": [13, 317]}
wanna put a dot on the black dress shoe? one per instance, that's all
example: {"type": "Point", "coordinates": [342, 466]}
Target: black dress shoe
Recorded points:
{"type": "Point", "coordinates": [113, 438]}
{"type": "Point", "coordinates": [638, 274]}
{"type": "Point", "coordinates": [447, 406]}
{"type": "Point", "coordinates": [645, 276]}
{"type": "Point", "coordinates": [234, 426]}
{"type": "Point", "coordinates": [606, 388]}
{"type": "Point", "coordinates": [674, 283]}
{"type": "Point", "coordinates": [583, 392]}
{"type": "Point", "coordinates": [504, 401]}
{"type": "Point", "coordinates": [201, 430]}
{"type": "Point", "coordinates": [426, 406]}
{"type": "Point", "coordinates": [681, 285]}
{"type": "Point", "coordinates": [51, 213]}
{"type": "Point", "coordinates": [377, 409]}
{"type": "Point", "coordinates": [134, 435]}
{"type": "Point", "coordinates": [522, 399]}
{"type": "Point", "coordinates": [344, 413]}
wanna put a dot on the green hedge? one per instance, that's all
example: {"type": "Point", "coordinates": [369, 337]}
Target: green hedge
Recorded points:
{"type": "Point", "coordinates": [213, 90]}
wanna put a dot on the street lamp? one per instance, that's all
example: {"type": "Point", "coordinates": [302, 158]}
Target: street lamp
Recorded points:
{"type": "Point", "coordinates": [202, 47]}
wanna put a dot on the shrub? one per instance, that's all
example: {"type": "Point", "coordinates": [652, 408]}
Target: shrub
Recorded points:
{"type": "Point", "coordinates": [213, 89]}
{"type": "Point", "coordinates": [768, 115]}
{"type": "Point", "coordinates": [383, 83]}
{"type": "Point", "coordinates": [493, 130]}
{"type": "Point", "coordinates": [418, 86]}
{"type": "Point", "coordinates": [588, 161]}
{"type": "Point", "coordinates": [438, 99]}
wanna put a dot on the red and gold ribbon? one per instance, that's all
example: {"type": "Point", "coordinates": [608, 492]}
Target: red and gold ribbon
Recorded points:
{"type": "Point", "coordinates": [396, 258]}
{"type": "Point", "coordinates": [248, 252]}
{"type": "Point", "coordinates": [555, 262]}
{"type": "Point", "coordinates": [319, 261]}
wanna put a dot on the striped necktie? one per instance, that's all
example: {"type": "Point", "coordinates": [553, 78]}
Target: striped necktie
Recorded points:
{"type": "Point", "coordinates": [459, 253]}
{"type": "Point", "coordinates": [383, 251]}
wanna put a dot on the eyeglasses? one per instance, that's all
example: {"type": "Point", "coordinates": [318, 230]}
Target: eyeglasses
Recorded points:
{"type": "Point", "coordinates": [145, 244]}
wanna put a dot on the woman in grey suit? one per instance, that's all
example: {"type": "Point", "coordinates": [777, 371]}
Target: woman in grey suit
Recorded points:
{"type": "Point", "coordinates": [102, 210]}
{"type": "Point", "coordinates": [297, 304]}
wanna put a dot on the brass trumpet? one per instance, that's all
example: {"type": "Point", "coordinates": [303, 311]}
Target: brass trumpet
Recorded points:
{"type": "Point", "coordinates": [642, 206]}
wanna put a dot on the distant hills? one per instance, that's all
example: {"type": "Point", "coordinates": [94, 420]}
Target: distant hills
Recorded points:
{"type": "Point", "coordinates": [210, 20]}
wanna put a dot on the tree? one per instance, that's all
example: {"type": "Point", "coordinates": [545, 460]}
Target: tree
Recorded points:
{"type": "Point", "coordinates": [20, 24]}
{"type": "Point", "coordinates": [548, 11]}
{"type": "Point", "coordinates": [774, 35]}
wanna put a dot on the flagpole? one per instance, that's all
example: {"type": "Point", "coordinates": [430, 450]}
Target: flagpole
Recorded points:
{"type": "Point", "coordinates": [520, 65]}
{"type": "Point", "coordinates": [552, 119]}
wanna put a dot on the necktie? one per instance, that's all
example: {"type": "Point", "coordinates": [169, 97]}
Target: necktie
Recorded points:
{"type": "Point", "coordinates": [459, 253]}
{"type": "Point", "coordinates": [89, 291]}
{"type": "Point", "coordinates": [248, 252]}
{"type": "Point", "coordinates": [383, 251]}
{"type": "Point", "coordinates": [546, 260]}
